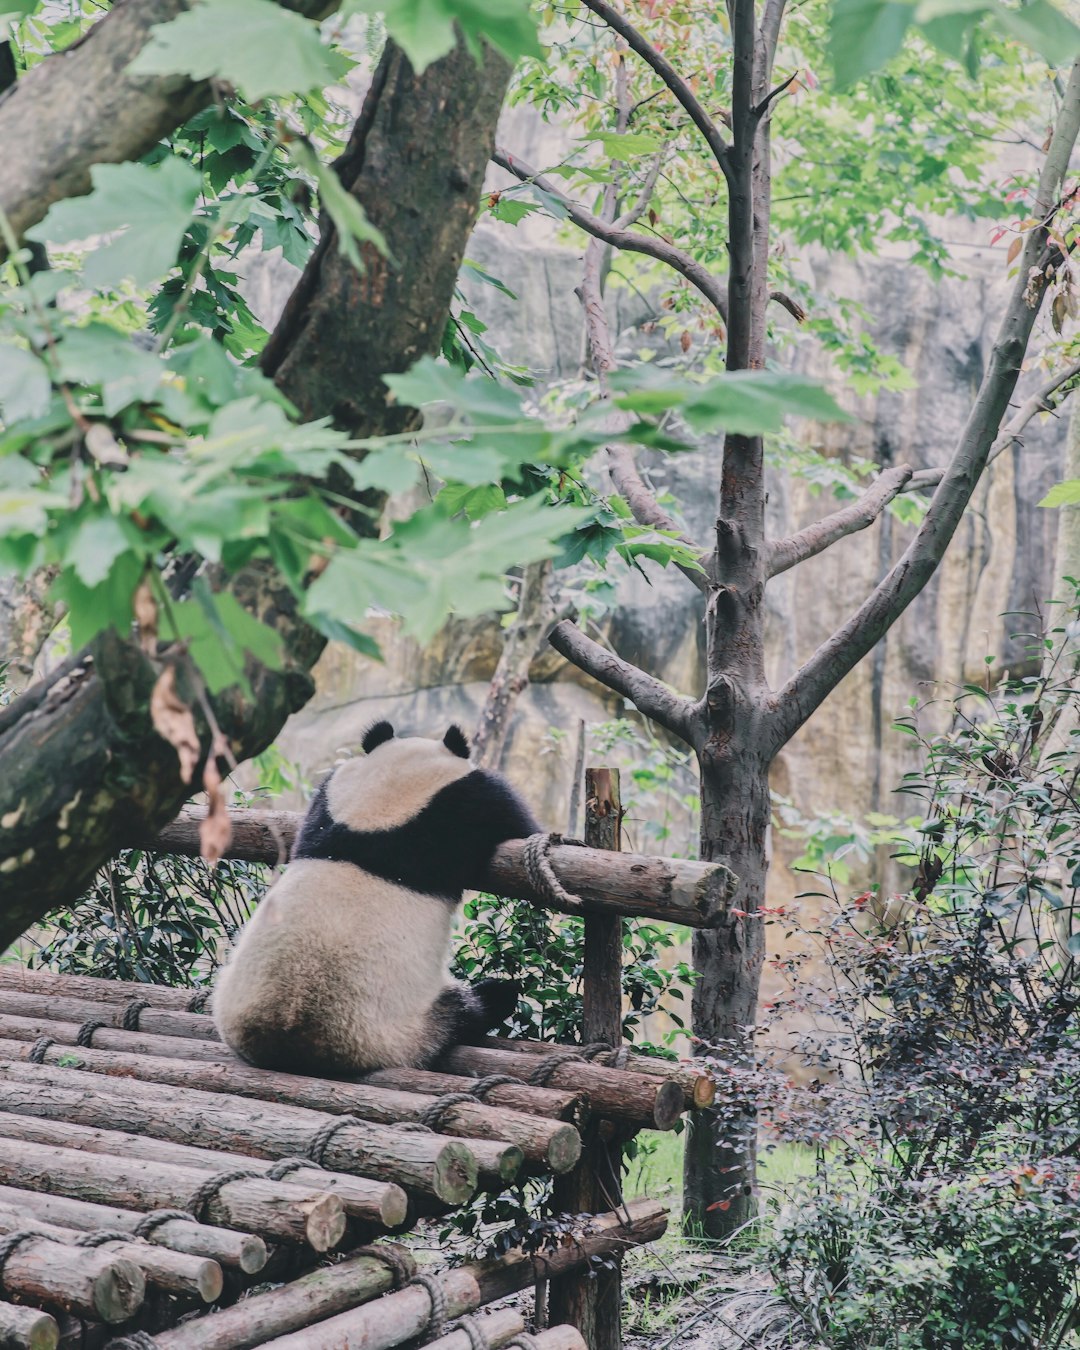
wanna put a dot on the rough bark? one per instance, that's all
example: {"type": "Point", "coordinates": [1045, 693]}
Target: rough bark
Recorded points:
{"type": "Point", "coordinates": [84, 770]}
{"type": "Point", "coordinates": [27, 1329]}
{"type": "Point", "coordinates": [432, 1164]}
{"type": "Point", "coordinates": [245, 1251]}
{"type": "Point", "coordinates": [80, 107]}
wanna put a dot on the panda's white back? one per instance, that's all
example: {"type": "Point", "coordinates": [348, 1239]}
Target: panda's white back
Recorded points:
{"type": "Point", "coordinates": [338, 966]}
{"type": "Point", "coordinates": [301, 974]}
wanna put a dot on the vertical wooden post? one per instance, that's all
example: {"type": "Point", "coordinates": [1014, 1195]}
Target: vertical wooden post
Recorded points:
{"type": "Point", "coordinates": [594, 1305]}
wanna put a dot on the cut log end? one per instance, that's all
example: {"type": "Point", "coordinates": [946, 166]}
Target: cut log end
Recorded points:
{"type": "Point", "coordinates": [27, 1328]}
{"type": "Point", "coordinates": [704, 1093]}
{"type": "Point", "coordinates": [393, 1206]}
{"type": "Point", "coordinates": [668, 1106]}
{"type": "Point", "coordinates": [564, 1149]}
{"type": "Point", "coordinates": [326, 1221]}
{"type": "Point", "coordinates": [119, 1288]}
{"type": "Point", "coordinates": [456, 1174]}
{"type": "Point", "coordinates": [252, 1255]}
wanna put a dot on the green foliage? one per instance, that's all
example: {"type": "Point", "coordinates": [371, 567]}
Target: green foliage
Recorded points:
{"type": "Point", "coordinates": [424, 29]}
{"type": "Point", "coordinates": [944, 1046]}
{"type": "Point", "coordinates": [865, 35]}
{"type": "Point", "coordinates": [262, 48]}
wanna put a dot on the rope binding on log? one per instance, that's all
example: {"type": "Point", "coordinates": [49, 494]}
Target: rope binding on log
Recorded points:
{"type": "Point", "coordinates": [394, 1258]}
{"type": "Point", "coordinates": [474, 1329]}
{"type": "Point", "coordinates": [541, 1075]}
{"type": "Point", "coordinates": [133, 1012]}
{"type": "Point", "coordinates": [149, 1222]}
{"type": "Point", "coordinates": [286, 1166]}
{"type": "Point", "coordinates": [11, 1242]}
{"type": "Point", "coordinates": [536, 859]}
{"type": "Point", "coordinates": [85, 1033]}
{"type": "Point", "coordinates": [320, 1140]}
{"type": "Point", "coordinates": [38, 1049]}
{"type": "Point", "coordinates": [202, 1195]}
{"type": "Point", "coordinates": [437, 1294]}
{"type": "Point", "coordinates": [135, 1340]}
{"type": "Point", "coordinates": [483, 1086]}
{"type": "Point", "coordinates": [99, 1237]}
{"type": "Point", "coordinates": [433, 1116]}
{"type": "Point", "coordinates": [198, 1001]}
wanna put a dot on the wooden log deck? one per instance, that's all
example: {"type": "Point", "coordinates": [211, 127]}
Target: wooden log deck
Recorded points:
{"type": "Point", "coordinates": [148, 1178]}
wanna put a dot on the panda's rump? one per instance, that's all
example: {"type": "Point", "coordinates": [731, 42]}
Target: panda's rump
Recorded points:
{"type": "Point", "coordinates": [335, 972]}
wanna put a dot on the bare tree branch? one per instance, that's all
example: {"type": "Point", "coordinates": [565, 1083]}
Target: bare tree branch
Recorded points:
{"type": "Point", "coordinates": [667, 72]}
{"type": "Point", "coordinates": [81, 107]}
{"type": "Point", "coordinates": [810, 685]}
{"type": "Point", "coordinates": [630, 241]}
{"type": "Point", "coordinates": [793, 307]}
{"type": "Point", "coordinates": [1014, 429]}
{"type": "Point", "coordinates": [857, 515]}
{"type": "Point", "coordinates": [648, 695]}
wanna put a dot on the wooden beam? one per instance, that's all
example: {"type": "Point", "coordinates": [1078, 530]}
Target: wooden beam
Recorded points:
{"type": "Point", "coordinates": [674, 890]}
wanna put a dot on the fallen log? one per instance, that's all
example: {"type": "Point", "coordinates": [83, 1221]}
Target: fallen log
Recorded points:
{"type": "Point", "coordinates": [556, 1103]}
{"type": "Point", "coordinates": [253, 1205]}
{"type": "Point", "coordinates": [430, 1163]}
{"type": "Point", "coordinates": [244, 1251]}
{"type": "Point", "coordinates": [373, 1202]}
{"type": "Point", "coordinates": [91, 1035]}
{"type": "Point", "coordinates": [86, 1282]}
{"type": "Point", "coordinates": [27, 1328]}
{"type": "Point", "coordinates": [555, 1145]}
{"type": "Point", "coordinates": [630, 1097]}
{"type": "Point", "coordinates": [194, 1276]}
{"type": "Point", "coordinates": [89, 987]}
{"type": "Point", "coordinates": [699, 1088]}
{"type": "Point", "coordinates": [669, 889]}
{"type": "Point", "coordinates": [321, 1293]}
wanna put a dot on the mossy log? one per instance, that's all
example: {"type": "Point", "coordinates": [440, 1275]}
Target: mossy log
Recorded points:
{"type": "Point", "coordinates": [87, 1282]}
{"type": "Point", "coordinates": [319, 1294]}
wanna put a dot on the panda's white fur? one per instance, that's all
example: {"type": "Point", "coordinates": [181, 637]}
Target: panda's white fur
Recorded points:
{"type": "Point", "coordinates": [343, 966]}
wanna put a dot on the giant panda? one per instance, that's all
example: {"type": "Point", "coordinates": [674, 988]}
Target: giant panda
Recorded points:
{"type": "Point", "coordinates": [343, 966]}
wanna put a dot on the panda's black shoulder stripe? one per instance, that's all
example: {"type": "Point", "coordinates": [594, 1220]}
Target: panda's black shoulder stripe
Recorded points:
{"type": "Point", "coordinates": [440, 851]}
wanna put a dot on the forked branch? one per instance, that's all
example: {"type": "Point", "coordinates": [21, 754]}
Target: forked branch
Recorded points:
{"type": "Point", "coordinates": [808, 687]}
{"type": "Point", "coordinates": [651, 698]}
{"type": "Point", "coordinates": [638, 43]}
{"type": "Point", "coordinates": [620, 236]}
{"type": "Point", "coordinates": [857, 515]}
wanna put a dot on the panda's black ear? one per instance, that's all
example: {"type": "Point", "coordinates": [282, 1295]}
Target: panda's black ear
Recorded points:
{"type": "Point", "coordinates": [456, 741]}
{"type": "Point", "coordinates": [375, 735]}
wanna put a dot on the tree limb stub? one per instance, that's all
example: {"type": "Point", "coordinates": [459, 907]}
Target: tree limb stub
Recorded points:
{"type": "Point", "coordinates": [84, 771]}
{"type": "Point", "coordinates": [49, 152]}
{"type": "Point", "coordinates": [810, 685]}
{"type": "Point", "coordinates": [673, 889]}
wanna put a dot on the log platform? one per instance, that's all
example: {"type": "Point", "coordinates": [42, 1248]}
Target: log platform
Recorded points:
{"type": "Point", "coordinates": [148, 1178]}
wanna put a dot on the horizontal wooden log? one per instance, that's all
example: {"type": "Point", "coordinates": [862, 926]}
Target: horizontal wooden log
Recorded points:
{"type": "Point", "coordinates": [397, 1317]}
{"type": "Point", "coordinates": [669, 889]}
{"type": "Point", "coordinates": [243, 1251]}
{"type": "Point", "coordinates": [632, 1098]}
{"type": "Point", "coordinates": [495, 1329]}
{"type": "Point", "coordinates": [27, 1328]}
{"type": "Point", "coordinates": [375, 1203]}
{"type": "Point", "coordinates": [555, 1145]}
{"type": "Point", "coordinates": [89, 987]}
{"type": "Point", "coordinates": [87, 1282]}
{"type": "Point", "coordinates": [152, 1021]}
{"type": "Point", "coordinates": [698, 1087]}
{"type": "Point", "coordinates": [556, 1103]}
{"type": "Point", "coordinates": [274, 1208]}
{"type": "Point", "coordinates": [17, 1028]}
{"type": "Point", "coordinates": [430, 1163]}
{"type": "Point", "coordinates": [319, 1294]}
{"type": "Point", "coordinates": [193, 1276]}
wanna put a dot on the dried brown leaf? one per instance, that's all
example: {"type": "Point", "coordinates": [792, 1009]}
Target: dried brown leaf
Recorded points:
{"type": "Point", "coordinates": [1014, 248]}
{"type": "Point", "coordinates": [146, 619]}
{"type": "Point", "coordinates": [174, 723]}
{"type": "Point", "coordinates": [215, 832]}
